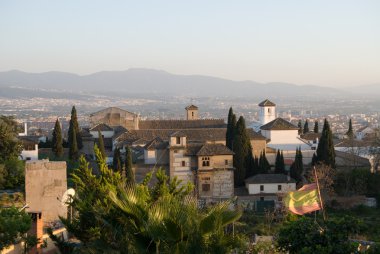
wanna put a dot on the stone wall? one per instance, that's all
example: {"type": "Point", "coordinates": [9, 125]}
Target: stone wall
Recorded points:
{"type": "Point", "coordinates": [45, 183]}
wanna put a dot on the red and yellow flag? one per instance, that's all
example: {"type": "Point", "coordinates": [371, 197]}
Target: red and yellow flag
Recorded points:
{"type": "Point", "coordinates": [304, 200]}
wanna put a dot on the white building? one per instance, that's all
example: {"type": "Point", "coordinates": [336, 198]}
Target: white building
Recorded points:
{"type": "Point", "coordinates": [269, 186]}
{"type": "Point", "coordinates": [267, 112]}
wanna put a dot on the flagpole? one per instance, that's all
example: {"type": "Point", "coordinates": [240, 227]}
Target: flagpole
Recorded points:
{"type": "Point", "coordinates": [319, 194]}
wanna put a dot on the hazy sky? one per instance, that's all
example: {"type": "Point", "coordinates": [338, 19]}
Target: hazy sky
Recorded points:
{"type": "Point", "coordinates": [332, 43]}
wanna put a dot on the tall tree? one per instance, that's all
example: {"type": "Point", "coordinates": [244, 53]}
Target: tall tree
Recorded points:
{"type": "Point", "coordinates": [116, 163]}
{"type": "Point", "coordinates": [306, 127]}
{"type": "Point", "coordinates": [296, 169]}
{"type": "Point", "coordinates": [283, 161]}
{"type": "Point", "coordinates": [325, 150]}
{"type": "Point", "coordinates": [101, 145]}
{"type": "Point", "coordinates": [279, 164]}
{"type": "Point", "coordinates": [300, 130]}
{"type": "Point", "coordinates": [264, 163]}
{"type": "Point", "coordinates": [350, 132]}
{"type": "Point", "coordinates": [243, 152]}
{"type": "Point", "coordinates": [129, 173]}
{"type": "Point", "coordinates": [231, 125]}
{"type": "Point", "coordinates": [57, 140]}
{"type": "Point", "coordinates": [73, 147]}
{"type": "Point", "coordinates": [10, 146]}
{"type": "Point", "coordinates": [316, 128]}
{"type": "Point", "coordinates": [74, 127]}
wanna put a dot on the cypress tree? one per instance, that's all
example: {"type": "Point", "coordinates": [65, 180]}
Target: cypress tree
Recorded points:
{"type": "Point", "coordinates": [350, 132]}
{"type": "Point", "coordinates": [243, 152]}
{"type": "Point", "coordinates": [283, 162]}
{"type": "Point", "coordinates": [296, 169]}
{"type": "Point", "coordinates": [300, 131]}
{"type": "Point", "coordinates": [101, 145]}
{"type": "Point", "coordinates": [256, 166]}
{"type": "Point", "coordinates": [325, 150]}
{"type": "Point", "coordinates": [264, 164]}
{"type": "Point", "coordinates": [116, 164]}
{"type": "Point", "coordinates": [74, 126]}
{"type": "Point", "coordinates": [130, 175]}
{"type": "Point", "coordinates": [57, 140]}
{"type": "Point", "coordinates": [316, 129]}
{"type": "Point", "coordinates": [314, 160]}
{"type": "Point", "coordinates": [73, 147]}
{"type": "Point", "coordinates": [306, 127]}
{"type": "Point", "coordinates": [231, 125]}
{"type": "Point", "coordinates": [280, 164]}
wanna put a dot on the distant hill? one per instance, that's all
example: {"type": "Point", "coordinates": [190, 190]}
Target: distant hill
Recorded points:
{"type": "Point", "coordinates": [147, 81]}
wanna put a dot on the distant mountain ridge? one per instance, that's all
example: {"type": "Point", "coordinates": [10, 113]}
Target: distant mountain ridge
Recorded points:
{"type": "Point", "coordinates": [140, 81]}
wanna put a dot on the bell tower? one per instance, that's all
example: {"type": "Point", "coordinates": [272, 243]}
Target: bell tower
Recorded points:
{"type": "Point", "coordinates": [192, 112]}
{"type": "Point", "coordinates": [267, 111]}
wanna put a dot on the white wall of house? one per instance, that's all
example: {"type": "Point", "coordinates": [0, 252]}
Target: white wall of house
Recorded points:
{"type": "Point", "coordinates": [150, 157]}
{"type": "Point", "coordinates": [254, 188]}
{"type": "Point", "coordinates": [267, 114]}
{"type": "Point", "coordinates": [30, 154]}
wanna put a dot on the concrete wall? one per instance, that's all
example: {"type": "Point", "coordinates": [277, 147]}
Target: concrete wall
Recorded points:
{"type": "Point", "coordinates": [45, 181]}
{"type": "Point", "coordinates": [270, 188]}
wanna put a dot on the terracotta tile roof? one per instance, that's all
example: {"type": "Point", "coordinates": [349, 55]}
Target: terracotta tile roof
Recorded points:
{"type": "Point", "coordinates": [191, 107]}
{"type": "Point", "coordinates": [152, 145]}
{"type": "Point", "coordinates": [311, 136]}
{"type": "Point", "coordinates": [178, 134]}
{"type": "Point", "coordinates": [193, 135]}
{"type": "Point", "coordinates": [267, 103]}
{"type": "Point", "coordinates": [101, 127]}
{"type": "Point", "coordinates": [279, 124]}
{"type": "Point", "coordinates": [181, 124]}
{"type": "Point", "coordinates": [269, 178]}
{"type": "Point", "coordinates": [214, 149]}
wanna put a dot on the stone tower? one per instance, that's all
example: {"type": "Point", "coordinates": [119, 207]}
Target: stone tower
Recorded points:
{"type": "Point", "coordinates": [267, 111]}
{"type": "Point", "coordinates": [192, 112]}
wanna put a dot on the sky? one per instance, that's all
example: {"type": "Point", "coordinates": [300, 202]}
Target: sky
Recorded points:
{"type": "Point", "coordinates": [321, 42]}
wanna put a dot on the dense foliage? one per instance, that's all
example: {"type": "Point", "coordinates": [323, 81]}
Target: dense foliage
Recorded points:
{"type": "Point", "coordinates": [113, 216]}
{"type": "Point", "coordinates": [279, 167]}
{"type": "Point", "coordinates": [57, 140]}
{"type": "Point", "coordinates": [326, 150]}
{"type": "Point", "coordinates": [14, 225]}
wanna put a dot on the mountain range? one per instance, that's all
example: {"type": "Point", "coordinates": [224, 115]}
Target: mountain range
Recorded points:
{"type": "Point", "coordinates": [147, 81]}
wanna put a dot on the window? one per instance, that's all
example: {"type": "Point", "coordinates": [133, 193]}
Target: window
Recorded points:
{"type": "Point", "coordinates": [261, 187]}
{"type": "Point", "coordinates": [183, 163]}
{"type": "Point", "coordinates": [268, 110]}
{"type": "Point", "coordinates": [206, 178]}
{"type": "Point", "coordinates": [205, 161]}
{"type": "Point", "coordinates": [279, 199]}
{"type": "Point", "coordinates": [279, 187]}
{"type": "Point", "coordinates": [192, 114]}
{"type": "Point", "coordinates": [205, 187]}
{"type": "Point", "coordinates": [226, 162]}
{"type": "Point", "coordinates": [261, 198]}
{"type": "Point", "coordinates": [175, 151]}
{"type": "Point", "coordinates": [178, 140]}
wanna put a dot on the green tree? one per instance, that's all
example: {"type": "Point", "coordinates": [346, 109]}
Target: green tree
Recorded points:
{"type": "Point", "coordinates": [74, 128]}
{"type": "Point", "coordinates": [101, 145]}
{"type": "Point", "coordinates": [14, 225]}
{"type": "Point", "coordinates": [10, 146]}
{"type": "Point", "coordinates": [14, 173]}
{"type": "Point", "coordinates": [243, 152]}
{"type": "Point", "coordinates": [300, 130]}
{"type": "Point", "coordinates": [264, 163]}
{"type": "Point", "coordinates": [279, 164]}
{"type": "Point", "coordinates": [350, 131]}
{"type": "Point", "coordinates": [116, 163]}
{"type": "Point", "coordinates": [306, 127]}
{"type": "Point", "coordinates": [114, 217]}
{"type": "Point", "coordinates": [296, 169]}
{"type": "Point", "coordinates": [129, 174]}
{"type": "Point", "coordinates": [57, 140]}
{"type": "Point", "coordinates": [304, 235]}
{"type": "Point", "coordinates": [231, 125]}
{"type": "Point", "coordinates": [325, 150]}
{"type": "Point", "coordinates": [316, 129]}
{"type": "Point", "coordinates": [73, 147]}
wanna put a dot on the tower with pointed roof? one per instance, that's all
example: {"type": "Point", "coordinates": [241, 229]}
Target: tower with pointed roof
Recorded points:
{"type": "Point", "coordinates": [267, 111]}
{"type": "Point", "coordinates": [192, 112]}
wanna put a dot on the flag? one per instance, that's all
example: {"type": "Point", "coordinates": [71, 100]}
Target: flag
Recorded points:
{"type": "Point", "coordinates": [304, 200]}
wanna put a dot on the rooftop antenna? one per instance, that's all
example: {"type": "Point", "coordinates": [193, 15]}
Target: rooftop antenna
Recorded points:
{"type": "Point", "coordinates": [67, 199]}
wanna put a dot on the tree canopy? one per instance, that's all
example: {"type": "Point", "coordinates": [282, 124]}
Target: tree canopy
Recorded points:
{"type": "Point", "coordinates": [57, 140]}
{"type": "Point", "coordinates": [10, 146]}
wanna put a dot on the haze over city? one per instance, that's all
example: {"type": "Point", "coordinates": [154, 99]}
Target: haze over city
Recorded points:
{"type": "Point", "coordinates": [324, 43]}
